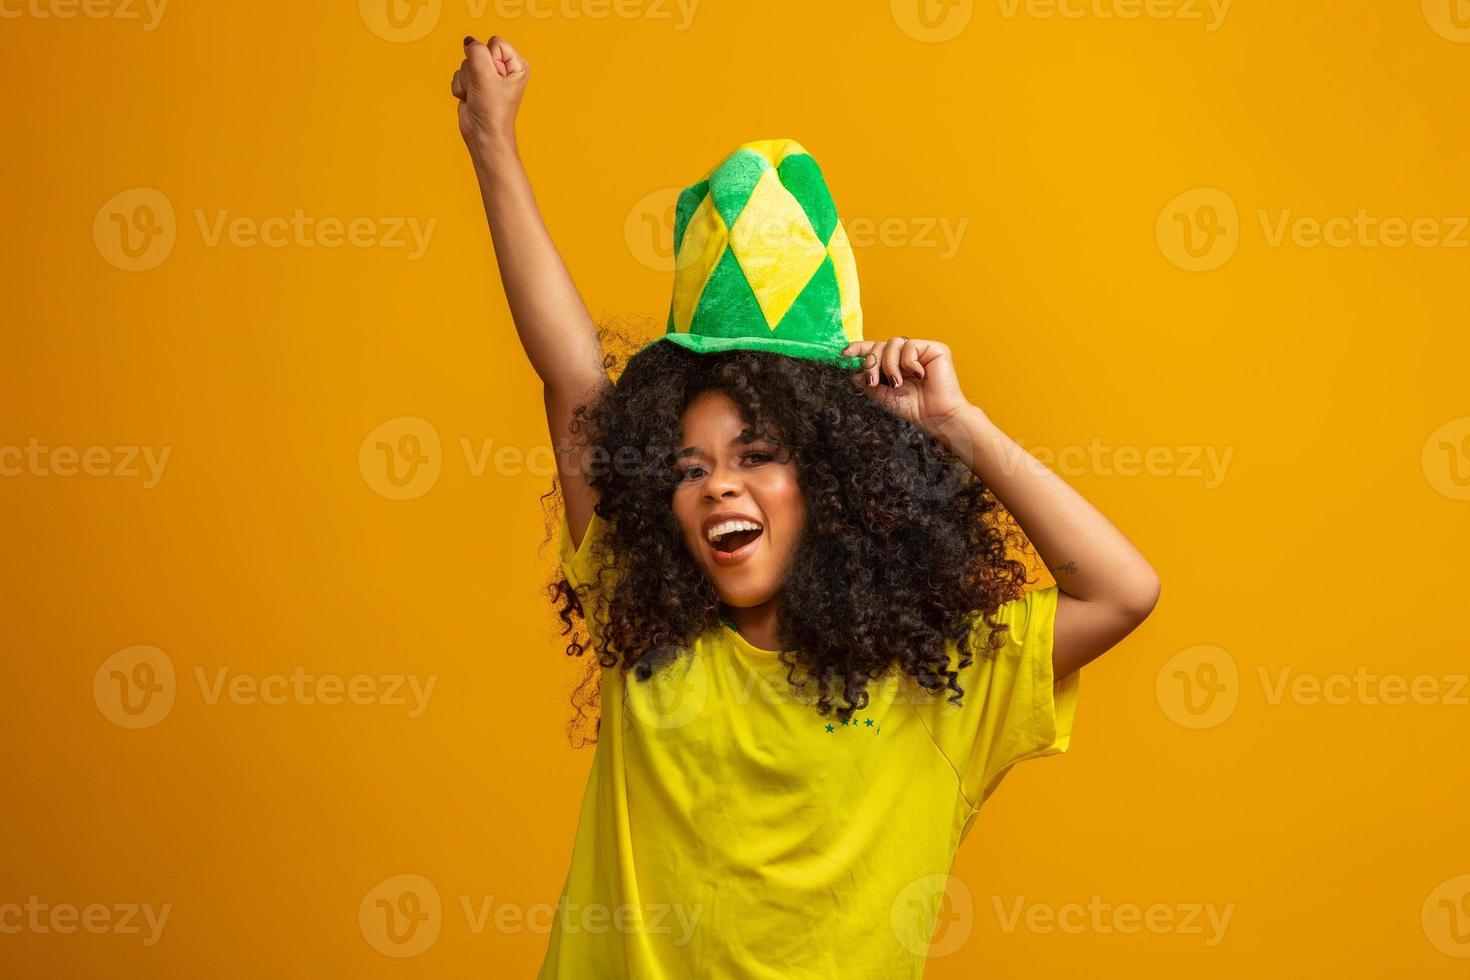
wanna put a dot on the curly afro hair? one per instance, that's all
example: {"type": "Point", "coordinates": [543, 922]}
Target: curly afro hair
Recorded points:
{"type": "Point", "coordinates": [902, 547]}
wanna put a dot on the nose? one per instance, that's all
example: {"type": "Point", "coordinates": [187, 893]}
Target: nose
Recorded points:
{"type": "Point", "coordinates": [723, 481]}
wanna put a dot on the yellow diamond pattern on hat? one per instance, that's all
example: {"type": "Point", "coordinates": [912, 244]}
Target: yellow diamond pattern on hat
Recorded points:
{"type": "Point", "coordinates": [705, 237]}
{"type": "Point", "coordinates": [776, 247]}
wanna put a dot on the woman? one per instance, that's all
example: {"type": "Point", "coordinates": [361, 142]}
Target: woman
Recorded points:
{"type": "Point", "coordinates": [815, 656]}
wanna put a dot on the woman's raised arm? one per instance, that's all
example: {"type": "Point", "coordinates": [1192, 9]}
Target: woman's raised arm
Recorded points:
{"type": "Point", "coordinates": [555, 329]}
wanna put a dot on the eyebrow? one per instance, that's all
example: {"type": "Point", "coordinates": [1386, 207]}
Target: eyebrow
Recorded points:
{"type": "Point", "coordinates": [745, 436]}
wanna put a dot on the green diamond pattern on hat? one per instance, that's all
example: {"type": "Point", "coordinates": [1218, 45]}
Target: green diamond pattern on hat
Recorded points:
{"type": "Point", "coordinates": [761, 260]}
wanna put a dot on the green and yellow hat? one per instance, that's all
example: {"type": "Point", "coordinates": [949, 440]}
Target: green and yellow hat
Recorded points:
{"type": "Point", "coordinates": [761, 260]}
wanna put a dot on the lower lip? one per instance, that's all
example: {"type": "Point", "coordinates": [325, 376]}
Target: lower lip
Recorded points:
{"type": "Point", "coordinates": [739, 555]}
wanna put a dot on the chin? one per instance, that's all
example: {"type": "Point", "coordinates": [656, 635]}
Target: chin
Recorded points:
{"type": "Point", "coordinates": [742, 586]}
{"type": "Point", "coordinates": [746, 599]}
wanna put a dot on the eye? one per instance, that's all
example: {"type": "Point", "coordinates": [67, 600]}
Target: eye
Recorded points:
{"type": "Point", "coordinates": [683, 476]}
{"type": "Point", "coordinates": [768, 452]}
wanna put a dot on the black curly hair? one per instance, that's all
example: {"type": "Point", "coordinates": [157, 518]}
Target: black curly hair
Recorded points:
{"type": "Point", "coordinates": [903, 543]}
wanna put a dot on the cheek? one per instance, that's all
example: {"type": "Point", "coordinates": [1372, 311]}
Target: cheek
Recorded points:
{"type": "Point", "coordinates": [784, 503]}
{"type": "Point", "coordinates": [684, 512]}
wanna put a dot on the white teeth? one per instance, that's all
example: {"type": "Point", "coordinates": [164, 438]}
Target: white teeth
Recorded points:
{"type": "Point", "coordinates": [725, 527]}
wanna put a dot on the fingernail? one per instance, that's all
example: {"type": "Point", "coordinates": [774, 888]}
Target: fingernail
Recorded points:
{"type": "Point", "coordinates": [468, 39]}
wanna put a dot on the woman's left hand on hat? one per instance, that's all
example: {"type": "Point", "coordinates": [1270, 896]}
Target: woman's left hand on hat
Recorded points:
{"type": "Point", "coordinates": [912, 378]}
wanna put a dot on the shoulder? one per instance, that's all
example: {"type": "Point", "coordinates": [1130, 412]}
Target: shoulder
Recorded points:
{"type": "Point", "coordinates": [1027, 617]}
{"type": "Point", "coordinates": [579, 560]}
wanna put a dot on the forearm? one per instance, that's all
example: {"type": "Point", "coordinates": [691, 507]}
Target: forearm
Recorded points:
{"type": "Point", "coordinates": [1089, 557]}
{"type": "Point", "coordinates": [555, 329]}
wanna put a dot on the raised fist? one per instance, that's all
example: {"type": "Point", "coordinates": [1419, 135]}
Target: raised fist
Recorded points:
{"type": "Point", "coordinates": [489, 85]}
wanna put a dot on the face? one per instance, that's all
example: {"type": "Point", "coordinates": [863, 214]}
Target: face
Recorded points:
{"type": "Point", "coordinates": [726, 476]}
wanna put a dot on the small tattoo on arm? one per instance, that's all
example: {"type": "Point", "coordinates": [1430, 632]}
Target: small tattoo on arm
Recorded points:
{"type": "Point", "coordinates": [1070, 568]}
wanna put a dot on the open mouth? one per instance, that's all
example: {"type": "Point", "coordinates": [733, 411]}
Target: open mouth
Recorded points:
{"type": "Point", "coordinates": [733, 541]}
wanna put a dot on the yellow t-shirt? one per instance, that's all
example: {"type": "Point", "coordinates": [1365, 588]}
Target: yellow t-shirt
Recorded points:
{"type": "Point", "coordinates": [730, 831]}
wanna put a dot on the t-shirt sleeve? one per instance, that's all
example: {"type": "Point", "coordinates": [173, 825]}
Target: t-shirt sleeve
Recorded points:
{"type": "Point", "coordinates": [1013, 708]}
{"type": "Point", "coordinates": [581, 566]}
{"type": "Point", "coordinates": [578, 564]}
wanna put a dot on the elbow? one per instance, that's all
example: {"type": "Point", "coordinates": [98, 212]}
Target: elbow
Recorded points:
{"type": "Point", "coordinates": [1141, 596]}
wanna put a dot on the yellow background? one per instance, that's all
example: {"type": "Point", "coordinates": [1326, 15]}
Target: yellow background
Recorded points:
{"type": "Point", "coordinates": [1333, 542]}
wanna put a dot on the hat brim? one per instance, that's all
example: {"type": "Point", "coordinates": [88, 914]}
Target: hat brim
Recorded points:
{"type": "Point", "coordinates": [704, 344]}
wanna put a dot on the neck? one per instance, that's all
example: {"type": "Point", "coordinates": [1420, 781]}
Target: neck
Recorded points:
{"type": "Point", "coordinates": [757, 624]}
